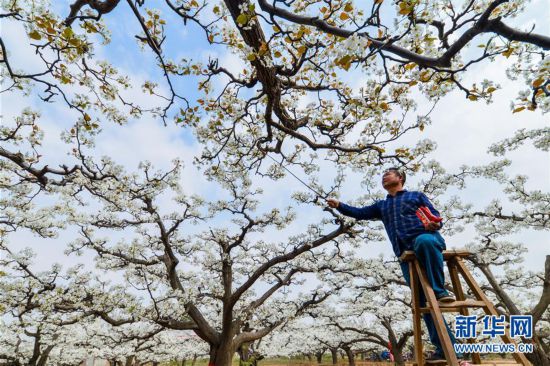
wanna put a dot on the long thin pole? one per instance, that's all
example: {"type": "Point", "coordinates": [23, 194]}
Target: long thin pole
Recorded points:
{"type": "Point", "coordinates": [297, 178]}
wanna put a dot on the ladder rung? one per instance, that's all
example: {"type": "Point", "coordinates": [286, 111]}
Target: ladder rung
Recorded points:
{"type": "Point", "coordinates": [409, 255]}
{"type": "Point", "coordinates": [456, 306]}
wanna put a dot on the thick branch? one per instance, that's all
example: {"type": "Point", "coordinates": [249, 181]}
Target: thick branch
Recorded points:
{"type": "Point", "coordinates": [287, 257]}
{"type": "Point", "coordinates": [482, 25]}
{"type": "Point", "coordinates": [498, 27]}
{"type": "Point", "coordinates": [102, 7]}
{"type": "Point", "coordinates": [544, 301]}
{"type": "Point", "coordinates": [499, 291]}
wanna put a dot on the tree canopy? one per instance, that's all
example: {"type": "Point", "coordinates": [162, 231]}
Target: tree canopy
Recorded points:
{"type": "Point", "coordinates": [264, 92]}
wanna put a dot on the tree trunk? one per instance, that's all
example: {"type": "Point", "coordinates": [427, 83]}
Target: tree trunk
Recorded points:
{"type": "Point", "coordinates": [194, 360]}
{"type": "Point", "coordinates": [398, 356]}
{"type": "Point", "coordinates": [221, 355]}
{"type": "Point", "coordinates": [538, 357]}
{"type": "Point", "coordinates": [183, 362]}
{"type": "Point", "coordinates": [319, 356]}
{"type": "Point", "coordinates": [334, 353]}
{"type": "Point", "coordinates": [351, 356]}
{"type": "Point", "coordinates": [44, 356]}
{"type": "Point", "coordinates": [309, 357]}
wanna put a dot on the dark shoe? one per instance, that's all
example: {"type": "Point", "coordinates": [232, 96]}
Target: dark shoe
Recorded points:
{"type": "Point", "coordinates": [445, 298]}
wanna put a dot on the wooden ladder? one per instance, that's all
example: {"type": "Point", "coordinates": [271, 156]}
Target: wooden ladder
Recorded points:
{"type": "Point", "coordinates": [456, 266]}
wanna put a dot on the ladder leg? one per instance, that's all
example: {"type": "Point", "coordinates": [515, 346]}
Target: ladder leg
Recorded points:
{"type": "Point", "coordinates": [417, 328]}
{"type": "Point", "coordinates": [489, 308]}
{"type": "Point", "coordinates": [457, 288]}
{"type": "Point", "coordinates": [437, 316]}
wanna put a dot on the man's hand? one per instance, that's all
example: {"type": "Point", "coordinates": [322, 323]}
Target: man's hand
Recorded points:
{"type": "Point", "coordinates": [332, 202]}
{"type": "Point", "coordinates": [432, 226]}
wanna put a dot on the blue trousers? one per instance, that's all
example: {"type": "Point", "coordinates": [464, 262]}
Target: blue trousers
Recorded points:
{"type": "Point", "coordinates": [428, 249]}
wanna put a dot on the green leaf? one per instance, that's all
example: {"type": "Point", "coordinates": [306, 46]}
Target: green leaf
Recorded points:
{"type": "Point", "coordinates": [508, 52]}
{"type": "Point", "coordinates": [519, 109]}
{"type": "Point", "coordinates": [425, 76]}
{"type": "Point", "coordinates": [242, 19]}
{"type": "Point", "coordinates": [67, 33]}
{"type": "Point", "coordinates": [35, 35]}
{"type": "Point", "coordinates": [345, 62]}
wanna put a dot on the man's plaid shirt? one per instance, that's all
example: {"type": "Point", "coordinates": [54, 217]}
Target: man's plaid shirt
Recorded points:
{"type": "Point", "coordinates": [398, 215]}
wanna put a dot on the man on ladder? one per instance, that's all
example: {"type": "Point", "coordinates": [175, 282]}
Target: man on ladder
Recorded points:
{"type": "Point", "coordinates": [411, 223]}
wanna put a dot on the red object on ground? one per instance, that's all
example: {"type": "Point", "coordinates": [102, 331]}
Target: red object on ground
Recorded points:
{"type": "Point", "coordinates": [426, 216]}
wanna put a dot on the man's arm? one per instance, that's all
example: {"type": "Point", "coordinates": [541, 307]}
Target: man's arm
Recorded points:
{"type": "Point", "coordinates": [371, 212]}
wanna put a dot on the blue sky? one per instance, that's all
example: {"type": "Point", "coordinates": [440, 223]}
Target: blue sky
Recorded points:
{"type": "Point", "coordinates": [462, 129]}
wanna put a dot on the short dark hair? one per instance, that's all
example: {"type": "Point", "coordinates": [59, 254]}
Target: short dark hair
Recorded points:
{"type": "Point", "coordinates": [401, 173]}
